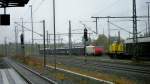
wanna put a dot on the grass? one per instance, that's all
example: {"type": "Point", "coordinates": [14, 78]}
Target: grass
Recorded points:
{"type": "Point", "coordinates": [107, 60]}
{"type": "Point", "coordinates": [99, 75]}
{"type": "Point", "coordinates": [37, 64]}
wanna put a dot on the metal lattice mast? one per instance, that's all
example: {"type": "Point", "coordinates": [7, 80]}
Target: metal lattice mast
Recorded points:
{"type": "Point", "coordinates": [148, 18]}
{"type": "Point", "coordinates": [70, 42]}
{"type": "Point", "coordinates": [135, 38]}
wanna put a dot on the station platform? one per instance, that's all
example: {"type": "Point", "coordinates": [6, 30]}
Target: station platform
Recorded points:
{"type": "Point", "coordinates": [10, 76]}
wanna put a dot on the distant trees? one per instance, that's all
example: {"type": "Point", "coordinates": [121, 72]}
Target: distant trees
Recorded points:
{"type": "Point", "coordinates": [102, 40]}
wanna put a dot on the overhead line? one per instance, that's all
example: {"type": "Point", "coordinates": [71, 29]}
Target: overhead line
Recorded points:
{"type": "Point", "coordinates": [29, 29]}
{"type": "Point", "coordinates": [120, 28]}
{"type": "Point", "coordinates": [67, 33]}
{"type": "Point", "coordinates": [38, 6]}
{"type": "Point", "coordinates": [119, 17]}
{"type": "Point", "coordinates": [114, 3]}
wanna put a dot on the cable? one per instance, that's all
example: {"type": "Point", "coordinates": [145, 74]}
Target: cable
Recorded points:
{"type": "Point", "coordinates": [85, 26]}
{"type": "Point", "coordinates": [25, 12]}
{"type": "Point", "coordinates": [38, 6]}
{"type": "Point", "coordinates": [29, 29]}
{"type": "Point", "coordinates": [120, 27]}
{"type": "Point", "coordinates": [27, 9]}
{"type": "Point", "coordinates": [34, 2]}
{"type": "Point", "coordinates": [112, 4]}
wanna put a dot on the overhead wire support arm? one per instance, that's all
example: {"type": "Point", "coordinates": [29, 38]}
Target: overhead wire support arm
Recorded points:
{"type": "Point", "coordinates": [116, 17]}
{"type": "Point", "coordinates": [32, 25]}
{"type": "Point", "coordinates": [28, 29]}
{"type": "Point", "coordinates": [120, 27]}
{"type": "Point", "coordinates": [67, 33]}
{"type": "Point", "coordinates": [108, 25]}
{"type": "Point", "coordinates": [112, 17]}
{"type": "Point", "coordinates": [148, 4]}
{"type": "Point", "coordinates": [85, 26]}
{"type": "Point", "coordinates": [134, 19]}
{"type": "Point", "coordinates": [96, 25]}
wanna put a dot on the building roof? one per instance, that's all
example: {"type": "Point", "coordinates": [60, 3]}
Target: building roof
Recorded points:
{"type": "Point", "coordinates": [140, 39]}
{"type": "Point", "coordinates": [13, 3]}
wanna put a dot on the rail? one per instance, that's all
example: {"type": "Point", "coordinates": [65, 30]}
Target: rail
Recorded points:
{"type": "Point", "coordinates": [9, 62]}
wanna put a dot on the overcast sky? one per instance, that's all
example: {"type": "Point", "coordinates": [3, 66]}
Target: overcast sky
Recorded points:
{"type": "Point", "coordinates": [76, 11]}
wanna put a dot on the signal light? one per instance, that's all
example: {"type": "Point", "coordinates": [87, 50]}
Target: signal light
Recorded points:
{"type": "Point", "coordinates": [85, 34]}
{"type": "Point", "coordinates": [22, 39]}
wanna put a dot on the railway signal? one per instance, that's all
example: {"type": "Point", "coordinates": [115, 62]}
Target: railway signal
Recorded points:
{"type": "Point", "coordinates": [85, 34]}
{"type": "Point", "coordinates": [22, 39]}
{"type": "Point", "coordinates": [85, 40]}
{"type": "Point", "coordinates": [22, 46]}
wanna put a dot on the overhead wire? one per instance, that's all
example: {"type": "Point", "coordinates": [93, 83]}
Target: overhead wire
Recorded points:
{"type": "Point", "coordinates": [28, 29]}
{"type": "Point", "coordinates": [35, 1]}
{"type": "Point", "coordinates": [85, 26]}
{"type": "Point", "coordinates": [120, 27]}
{"type": "Point", "coordinates": [38, 6]}
{"type": "Point", "coordinates": [112, 4]}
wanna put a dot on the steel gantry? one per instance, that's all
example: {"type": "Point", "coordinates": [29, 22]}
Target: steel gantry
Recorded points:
{"type": "Point", "coordinates": [135, 39]}
{"type": "Point", "coordinates": [134, 17]}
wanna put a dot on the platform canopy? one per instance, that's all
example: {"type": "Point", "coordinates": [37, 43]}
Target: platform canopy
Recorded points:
{"type": "Point", "coordinates": [13, 3]}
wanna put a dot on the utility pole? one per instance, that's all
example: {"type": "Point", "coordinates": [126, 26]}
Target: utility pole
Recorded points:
{"type": "Point", "coordinates": [119, 39]}
{"type": "Point", "coordinates": [5, 41]}
{"type": "Point", "coordinates": [44, 43]}
{"type": "Point", "coordinates": [134, 17]}
{"type": "Point", "coordinates": [58, 41]}
{"type": "Point", "coordinates": [22, 26]}
{"type": "Point", "coordinates": [61, 42]}
{"type": "Point", "coordinates": [108, 25]}
{"type": "Point", "coordinates": [32, 28]}
{"type": "Point", "coordinates": [96, 26]}
{"type": "Point", "coordinates": [54, 33]}
{"type": "Point", "coordinates": [47, 40]}
{"type": "Point", "coordinates": [16, 39]}
{"type": "Point", "coordinates": [135, 38]}
{"type": "Point", "coordinates": [146, 29]}
{"type": "Point", "coordinates": [70, 42]}
{"type": "Point", "coordinates": [22, 43]}
{"type": "Point", "coordinates": [96, 21]}
{"type": "Point", "coordinates": [4, 10]}
{"type": "Point", "coordinates": [148, 18]}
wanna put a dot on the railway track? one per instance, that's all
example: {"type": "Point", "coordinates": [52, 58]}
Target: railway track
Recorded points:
{"type": "Point", "coordinates": [122, 68]}
{"type": "Point", "coordinates": [9, 76]}
{"type": "Point", "coordinates": [109, 66]}
{"type": "Point", "coordinates": [30, 76]}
